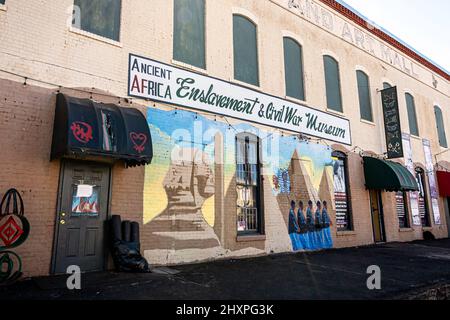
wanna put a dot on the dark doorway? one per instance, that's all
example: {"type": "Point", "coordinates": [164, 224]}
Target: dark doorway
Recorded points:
{"type": "Point", "coordinates": [83, 206]}
{"type": "Point", "coordinates": [377, 216]}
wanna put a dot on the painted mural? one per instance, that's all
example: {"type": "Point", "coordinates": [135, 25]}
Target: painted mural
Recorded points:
{"type": "Point", "coordinates": [182, 217]}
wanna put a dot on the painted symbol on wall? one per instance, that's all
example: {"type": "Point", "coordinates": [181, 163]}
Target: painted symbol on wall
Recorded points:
{"type": "Point", "coordinates": [10, 267]}
{"type": "Point", "coordinates": [139, 140]}
{"type": "Point", "coordinates": [14, 230]}
{"type": "Point", "coordinates": [10, 231]}
{"type": "Point", "coordinates": [82, 131]}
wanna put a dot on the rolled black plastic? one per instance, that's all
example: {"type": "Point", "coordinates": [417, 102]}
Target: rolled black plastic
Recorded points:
{"type": "Point", "coordinates": [116, 227]}
{"type": "Point", "coordinates": [126, 231]}
{"type": "Point", "coordinates": [134, 232]}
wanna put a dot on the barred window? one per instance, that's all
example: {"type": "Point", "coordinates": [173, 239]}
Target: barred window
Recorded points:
{"type": "Point", "coordinates": [2, 1]}
{"type": "Point", "coordinates": [401, 200]}
{"type": "Point", "coordinates": [423, 198]}
{"type": "Point", "coordinates": [365, 105]}
{"type": "Point", "coordinates": [341, 192]}
{"type": "Point", "coordinates": [248, 187]}
{"type": "Point", "coordinates": [293, 69]}
{"type": "Point", "coordinates": [101, 17]}
{"type": "Point", "coordinates": [189, 32]}
{"type": "Point", "coordinates": [332, 84]}
{"type": "Point", "coordinates": [245, 48]}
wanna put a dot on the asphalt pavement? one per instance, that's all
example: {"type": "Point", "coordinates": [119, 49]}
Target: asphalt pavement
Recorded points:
{"type": "Point", "coordinates": [406, 269]}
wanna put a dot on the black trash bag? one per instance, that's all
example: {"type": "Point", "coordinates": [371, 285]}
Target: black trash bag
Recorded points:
{"type": "Point", "coordinates": [126, 254]}
{"type": "Point", "coordinates": [127, 257]}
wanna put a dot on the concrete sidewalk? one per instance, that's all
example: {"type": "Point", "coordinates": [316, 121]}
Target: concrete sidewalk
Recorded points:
{"type": "Point", "coordinates": [407, 269]}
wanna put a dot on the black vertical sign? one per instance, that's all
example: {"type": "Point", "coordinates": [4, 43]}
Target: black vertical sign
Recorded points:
{"type": "Point", "coordinates": [392, 126]}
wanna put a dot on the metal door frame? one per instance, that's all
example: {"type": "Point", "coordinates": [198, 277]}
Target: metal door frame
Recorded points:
{"type": "Point", "coordinates": [62, 167]}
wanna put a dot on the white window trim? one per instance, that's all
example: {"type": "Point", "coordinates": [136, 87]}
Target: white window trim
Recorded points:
{"type": "Point", "coordinates": [188, 65]}
{"type": "Point", "coordinates": [95, 37]}
{"type": "Point", "coordinates": [371, 95]}
{"type": "Point", "coordinates": [335, 57]}
{"type": "Point", "coordinates": [388, 81]}
{"type": "Point", "coordinates": [250, 16]}
{"type": "Point", "coordinates": [368, 122]}
{"type": "Point", "coordinates": [299, 40]}
{"type": "Point", "coordinates": [436, 104]}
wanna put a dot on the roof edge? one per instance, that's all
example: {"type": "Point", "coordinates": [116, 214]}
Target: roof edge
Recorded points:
{"type": "Point", "coordinates": [362, 22]}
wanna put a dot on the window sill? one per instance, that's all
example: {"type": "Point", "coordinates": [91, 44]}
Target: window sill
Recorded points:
{"type": "Point", "coordinates": [246, 85]}
{"type": "Point", "coordinates": [368, 122]}
{"type": "Point", "coordinates": [405, 230]}
{"type": "Point", "coordinates": [415, 137]}
{"type": "Point", "coordinates": [3, 7]}
{"type": "Point", "coordinates": [95, 37]}
{"type": "Point", "coordinates": [338, 113]}
{"type": "Point", "coordinates": [251, 238]}
{"type": "Point", "coordinates": [189, 67]}
{"type": "Point", "coordinates": [427, 228]}
{"type": "Point", "coordinates": [296, 100]}
{"type": "Point", "coordinates": [345, 233]}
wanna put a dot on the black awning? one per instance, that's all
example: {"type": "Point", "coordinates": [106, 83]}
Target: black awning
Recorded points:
{"type": "Point", "coordinates": [85, 128]}
{"type": "Point", "coordinates": [388, 175]}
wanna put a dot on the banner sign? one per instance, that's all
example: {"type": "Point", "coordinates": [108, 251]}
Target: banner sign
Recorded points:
{"type": "Point", "coordinates": [413, 196]}
{"type": "Point", "coordinates": [156, 81]}
{"type": "Point", "coordinates": [392, 126]}
{"type": "Point", "coordinates": [432, 181]}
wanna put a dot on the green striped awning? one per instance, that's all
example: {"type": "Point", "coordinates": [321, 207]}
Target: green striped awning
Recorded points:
{"type": "Point", "coordinates": [388, 175]}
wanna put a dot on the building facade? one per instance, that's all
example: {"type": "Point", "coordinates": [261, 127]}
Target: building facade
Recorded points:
{"type": "Point", "coordinates": [249, 104]}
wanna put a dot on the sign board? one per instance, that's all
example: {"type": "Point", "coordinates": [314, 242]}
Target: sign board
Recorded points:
{"type": "Point", "coordinates": [392, 127]}
{"type": "Point", "coordinates": [413, 196]}
{"type": "Point", "coordinates": [156, 81]}
{"type": "Point", "coordinates": [432, 181]}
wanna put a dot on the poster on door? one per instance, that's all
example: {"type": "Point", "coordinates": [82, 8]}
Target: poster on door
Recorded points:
{"type": "Point", "coordinates": [414, 196]}
{"type": "Point", "coordinates": [85, 201]}
{"type": "Point", "coordinates": [432, 181]}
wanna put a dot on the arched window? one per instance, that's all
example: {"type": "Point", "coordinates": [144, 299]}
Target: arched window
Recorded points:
{"type": "Point", "coordinates": [423, 198]}
{"type": "Point", "coordinates": [365, 104]}
{"type": "Point", "coordinates": [440, 127]}
{"type": "Point", "coordinates": [412, 116]}
{"type": "Point", "coordinates": [332, 84]}
{"type": "Point", "coordinates": [100, 17]}
{"type": "Point", "coordinates": [189, 32]}
{"type": "Point", "coordinates": [245, 48]}
{"type": "Point", "coordinates": [248, 184]}
{"type": "Point", "coordinates": [341, 192]}
{"type": "Point", "coordinates": [386, 85]}
{"type": "Point", "coordinates": [293, 69]}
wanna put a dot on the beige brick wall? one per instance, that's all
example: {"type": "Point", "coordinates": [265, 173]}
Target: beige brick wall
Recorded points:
{"type": "Point", "coordinates": [47, 49]}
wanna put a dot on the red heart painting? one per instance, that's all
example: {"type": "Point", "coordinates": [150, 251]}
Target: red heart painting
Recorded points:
{"type": "Point", "coordinates": [139, 140]}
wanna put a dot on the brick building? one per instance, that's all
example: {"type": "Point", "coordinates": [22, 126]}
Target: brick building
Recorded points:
{"type": "Point", "coordinates": [248, 105]}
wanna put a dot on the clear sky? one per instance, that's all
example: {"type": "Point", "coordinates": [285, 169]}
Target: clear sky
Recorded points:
{"type": "Point", "coordinates": [423, 25]}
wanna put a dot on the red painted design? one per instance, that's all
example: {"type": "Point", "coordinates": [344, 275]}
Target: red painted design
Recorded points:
{"type": "Point", "coordinates": [10, 231]}
{"type": "Point", "coordinates": [82, 131]}
{"type": "Point", "coordinates": [384, 36]}
{"type": "Point", "coordinates": [139, 140]}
